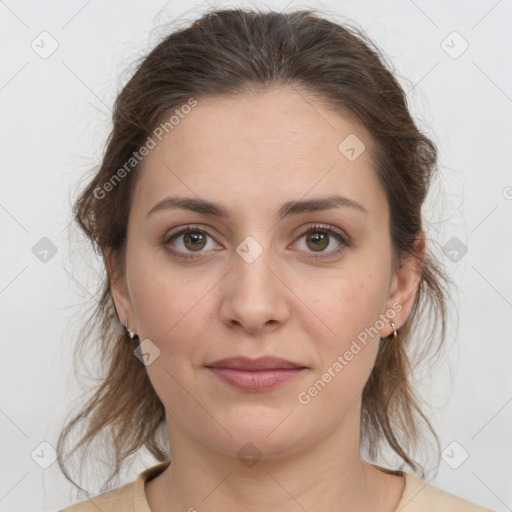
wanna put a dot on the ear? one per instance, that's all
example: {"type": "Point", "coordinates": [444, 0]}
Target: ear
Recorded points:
{"type": "Point", "coordinates": [118, 290]}
{"type": "Point", "coordinates": [404, 286]}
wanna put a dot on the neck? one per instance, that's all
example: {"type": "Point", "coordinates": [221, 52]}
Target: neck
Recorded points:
{"type": "Point", "coordinates": [329, 476]}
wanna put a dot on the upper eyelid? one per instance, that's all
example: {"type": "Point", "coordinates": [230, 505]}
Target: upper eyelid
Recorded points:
{"type": "Point", "coordinates": [185, 229]}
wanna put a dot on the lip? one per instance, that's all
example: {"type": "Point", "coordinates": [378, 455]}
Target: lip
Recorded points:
{"type": "Point", "coordinates": [258, 363]}
{"type": "Point", "coordinates": [258, 374]}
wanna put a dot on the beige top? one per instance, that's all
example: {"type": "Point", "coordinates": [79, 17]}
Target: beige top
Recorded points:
{"type": "Point", "coordinates": [418, 496]}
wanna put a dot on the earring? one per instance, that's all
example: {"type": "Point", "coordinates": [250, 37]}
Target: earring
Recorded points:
{"type": "Point", "coordinates": [394, 329]}
{"type": "Point", "coordinates": [130, 332]}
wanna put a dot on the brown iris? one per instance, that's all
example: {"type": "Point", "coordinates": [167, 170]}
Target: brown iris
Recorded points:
{"type": "Point", "coordinates": [196, 240]}
{"type": "Point", "coordinates": [315, 237]}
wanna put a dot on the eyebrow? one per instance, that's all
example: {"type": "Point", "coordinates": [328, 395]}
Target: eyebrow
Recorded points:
{"type": "Point", "coordinates": [287, 209]}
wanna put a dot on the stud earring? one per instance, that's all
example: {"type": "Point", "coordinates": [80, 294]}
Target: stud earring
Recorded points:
{"type": "Point", "coordinates": [394, 329]}
{"type": "Point", "coordinates": [130, 332]}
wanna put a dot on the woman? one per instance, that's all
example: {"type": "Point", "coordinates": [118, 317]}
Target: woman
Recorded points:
{"type": "Point", "coordinates": [258, 210]}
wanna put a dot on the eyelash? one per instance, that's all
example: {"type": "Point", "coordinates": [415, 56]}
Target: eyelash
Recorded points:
{"type": "Point", "coordinates": [192, 228]}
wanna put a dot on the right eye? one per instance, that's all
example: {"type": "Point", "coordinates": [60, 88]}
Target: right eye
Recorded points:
{"type": "Point", "coordinates": [186, 241]}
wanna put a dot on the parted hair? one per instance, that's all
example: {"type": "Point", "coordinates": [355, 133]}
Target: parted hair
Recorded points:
{"type": "Point", "coordinates": [227, 53]}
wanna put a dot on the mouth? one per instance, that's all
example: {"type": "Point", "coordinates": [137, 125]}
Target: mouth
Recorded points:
{"type": "Point", "coordinates": [259, 374]}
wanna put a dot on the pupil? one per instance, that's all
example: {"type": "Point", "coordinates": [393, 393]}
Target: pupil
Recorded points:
{"type": "Point", "coordinates": [318, 237]}
{"type": "Point", "coordinates": [194, 239]}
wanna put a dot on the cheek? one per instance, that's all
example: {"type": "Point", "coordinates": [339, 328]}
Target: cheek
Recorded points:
{"type": "Point", "coordinates": [354, 300]}
{"type": "Point", "coordinates": [171, 314]}
{"type": "Point", "coordinates": [165, 301]}
{"type": "Point", "coordinates": [350, 306]}
{"type": "Point", "coordinates": [346, 352]}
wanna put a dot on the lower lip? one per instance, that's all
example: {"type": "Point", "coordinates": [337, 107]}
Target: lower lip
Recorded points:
{"type": "Point", "coordinates": [258, 380]}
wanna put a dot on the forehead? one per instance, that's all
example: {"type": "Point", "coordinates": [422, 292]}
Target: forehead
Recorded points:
{"type": "Point", "coordinates": [271, 146]}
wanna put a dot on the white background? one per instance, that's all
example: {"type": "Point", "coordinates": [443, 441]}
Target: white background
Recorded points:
{"type": "Point", "coordinates": [56, 115]}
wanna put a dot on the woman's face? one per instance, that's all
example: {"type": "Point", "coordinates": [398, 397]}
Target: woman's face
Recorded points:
{"type": "Point", "coordinates": [253, 282]}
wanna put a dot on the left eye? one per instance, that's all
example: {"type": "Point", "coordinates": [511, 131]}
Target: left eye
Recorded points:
{"type": "Point", "coordinates": [319, 238]}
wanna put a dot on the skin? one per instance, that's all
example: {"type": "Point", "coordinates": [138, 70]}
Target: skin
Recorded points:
{"type": "Point", "coordinates": [251, 154]}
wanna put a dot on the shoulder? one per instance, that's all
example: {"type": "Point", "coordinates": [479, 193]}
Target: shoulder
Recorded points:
{"type": "Point", "coordinates": [420, 496]}
{"type": "Point", "coordinates": [115, 500]}
{"type": "Point", "coordinates": [127, 498]}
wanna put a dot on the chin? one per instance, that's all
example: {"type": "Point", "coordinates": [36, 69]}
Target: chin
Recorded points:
{"type": "Point", "coordinates": [270, 437]}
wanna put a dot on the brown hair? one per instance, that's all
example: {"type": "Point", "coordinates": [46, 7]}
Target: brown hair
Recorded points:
{"type": "Point", "coordinates": [230, 52]}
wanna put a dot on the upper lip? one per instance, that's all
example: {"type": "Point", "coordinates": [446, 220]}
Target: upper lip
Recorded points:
{"type": "Point", "coordinates": [259, 363]}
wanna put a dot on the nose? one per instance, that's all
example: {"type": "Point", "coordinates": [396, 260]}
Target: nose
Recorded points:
{"type": "Point", "coordinates": [255, 296]}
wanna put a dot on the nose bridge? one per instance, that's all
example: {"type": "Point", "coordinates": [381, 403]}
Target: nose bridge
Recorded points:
{"type": "Point", "coordinates": [256, 296]}
{"type": "Point", "coordinates": [253, 262]}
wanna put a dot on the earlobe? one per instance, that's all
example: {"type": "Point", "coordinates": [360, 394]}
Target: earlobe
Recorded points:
{"type": "Point", "coordinates": [119, 301]}
{"type": "Point", "coordinates": [405, 285]}
{"type": "Point", "coordinates": [117, 289]}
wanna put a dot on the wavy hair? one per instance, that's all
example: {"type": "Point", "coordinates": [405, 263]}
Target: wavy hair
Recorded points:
{"type": "Point", "coordinates": [225, 53]}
